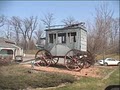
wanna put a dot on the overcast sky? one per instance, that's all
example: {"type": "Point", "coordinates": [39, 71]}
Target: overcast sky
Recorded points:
{"type": "Point", "coordinates": [80, 10]}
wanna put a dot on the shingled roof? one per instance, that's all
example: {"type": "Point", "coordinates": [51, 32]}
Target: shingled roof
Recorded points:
{"type": "Point", "coordinates": [4, 40]}
{"type": "Point", "coordinates": [6, 43]}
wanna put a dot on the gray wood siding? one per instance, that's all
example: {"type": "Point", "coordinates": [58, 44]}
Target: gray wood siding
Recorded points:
{"type": "Point", "coordinates": [60, 49]}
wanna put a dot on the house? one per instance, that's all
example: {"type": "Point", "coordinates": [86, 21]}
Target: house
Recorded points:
{"type": "Point", "coordinates": [9, 48]}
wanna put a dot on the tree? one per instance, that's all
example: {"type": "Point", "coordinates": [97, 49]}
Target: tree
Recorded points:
{"type": "Point", "coordinates": [8, 32]}
{"type": "Point", "coordinates": [69, 21]}
{"type": "Point", "coordinates": [48, 20]}
{"type": "Point", "coordinates": [38, 35]}
{"type": "Point", "coordinates": [100, 30]}
{"type": "Point", "coordinates": [2, 20]}
{"type": "Point", "coordinates": [114, 36]}
{"type": "Point", "coordinates": [114, 30]}
{"type": "Point", "coordinates": [24, 26]}
{"type": "Point", "coordinates": [14, 23]}
{"type": "Point", "coordinates": [27, 26]}
{"type": "Point", "coordinates": [33, 25]}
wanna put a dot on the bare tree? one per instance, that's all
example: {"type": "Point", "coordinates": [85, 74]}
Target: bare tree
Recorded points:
{"type": "Point", "coordinates": [23, 26]}
{"type": "Point", "coordinates": [33, 26]}
{"type": "Point", "coordinates": [114, 36]}
{"type": "Point", "coordinates": [2, 20]}
{"type": "Point", "coordinates": [114, 30]}
{"type": "Point", "coordinates": [8, 31]}
{"type": "Point", "coordinates": [69, 21]}
{"type": "Point", "coordinates": [38, 35]}
{"type": "Point", "coordinates": [14, 23]}
{"type": "Point", "coordinates": [101, 29]}
{"type": "Point", "coordinates": [48, 20]}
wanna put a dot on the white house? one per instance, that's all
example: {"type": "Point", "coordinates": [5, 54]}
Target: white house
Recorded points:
{"type": "Point", "coordinates": [8, 47]}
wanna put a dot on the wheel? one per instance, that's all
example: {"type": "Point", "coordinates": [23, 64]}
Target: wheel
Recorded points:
{"type": "Point", "coordinates": [41, 63]}
{"type": "Point", "coordinates": [43, 58]}
{"type": "Point", "coordinates": [55, 61]}
{"type": "Point", "coordinates": [119, 64]}
{"type": "Point", "coordinates": [106, 64]}
{"type": "Point", "coordinates": [73, 60]}
{"type": "Point", "coordinates": [87, 64]}
{"type": "Point", "coordinates": [89, 59]}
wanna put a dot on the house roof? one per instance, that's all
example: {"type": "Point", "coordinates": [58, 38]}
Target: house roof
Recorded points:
{"type": "Point", "coordinates": [73, 26]}
{"type": "Point", "coordinates": [4, 40]}
{"type": "Point", "coordinates": [6, 43]}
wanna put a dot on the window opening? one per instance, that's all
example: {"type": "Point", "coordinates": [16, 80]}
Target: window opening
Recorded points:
{"type": "Point", "coordinates": [72, 36]}
{"type": "Point", "coordinates": [61, 37]}
{"type": "Point", "coordinates": [50, 38]}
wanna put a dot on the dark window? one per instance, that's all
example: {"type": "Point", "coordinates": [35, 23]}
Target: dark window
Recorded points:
{"type": "Point", "coordinates": [54, 36]}
{"type": "Point", "coordinates": [50, 38]}
{"type": "Point", "coordinates": [10, 52]}
{"type": "Point", "coordinates": [110, 59]}
{"type": "Point", "coordinates": [61, 37]}
{"type": "Point", "coordinates": [6, 51]}
{"type": "Point", "coordinates": [72, 36]}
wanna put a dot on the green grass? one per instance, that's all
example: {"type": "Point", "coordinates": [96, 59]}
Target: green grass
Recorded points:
{"type": "Point", "coordinates": [103, 71]}
{"type": "Point", "coordinates": [15, 77]}
{"type": "Point", "coordinates": [114, 78]}
{"type": "Point", "coordinates": [89, 83]}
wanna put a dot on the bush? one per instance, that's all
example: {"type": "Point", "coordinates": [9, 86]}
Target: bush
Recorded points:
{"type": "Point", "coordinates": [15, 77]}
{"type": "Point", "coordinates": [5, 60]}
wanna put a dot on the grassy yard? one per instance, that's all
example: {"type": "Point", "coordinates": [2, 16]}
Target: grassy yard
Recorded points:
{"type": "Point", "coordinates": [88, 83]}
{"type": "Point", "coordinates": [16, 77]}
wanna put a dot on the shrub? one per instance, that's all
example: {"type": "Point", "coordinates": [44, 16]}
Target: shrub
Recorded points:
{"type": "Point", "coordinates": [5, 60]}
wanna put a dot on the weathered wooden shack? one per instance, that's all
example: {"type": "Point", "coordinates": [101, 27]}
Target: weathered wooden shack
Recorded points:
{"type": "Point", "coordinates": [60, 40]}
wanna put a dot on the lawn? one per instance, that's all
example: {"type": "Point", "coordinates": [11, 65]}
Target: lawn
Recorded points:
{"type": "Point", "coordinates": [15, 77]}
{"type": "Point", "coordinates": [89, 83]}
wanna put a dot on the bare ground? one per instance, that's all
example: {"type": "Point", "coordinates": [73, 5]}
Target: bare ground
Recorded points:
{"type": "Point", "coordinates": [88, 72]}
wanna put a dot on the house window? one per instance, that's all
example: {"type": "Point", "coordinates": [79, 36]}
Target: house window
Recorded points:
{"type": "Point", "coordinates": [52, 38]}
{"type": "Point", "coordinates": [61, 37]}
{"type": "Point", "coordinates": [72, 37]}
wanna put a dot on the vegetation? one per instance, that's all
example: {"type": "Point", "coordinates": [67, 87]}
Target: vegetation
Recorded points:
{"type": "Point", "coordinates": [15, 77]}
{"type": "Point", "coordinates": [102, 35]}
{"type": "Point", "coordinates": [89, 83]}
{"type": "Point", "coordinates": [5, 60]}
{"type": "Point", "coordinates": [115, 56]}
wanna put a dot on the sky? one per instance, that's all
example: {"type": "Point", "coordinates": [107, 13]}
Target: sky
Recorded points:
{"type": "Point", "coordinates": [81, 10]}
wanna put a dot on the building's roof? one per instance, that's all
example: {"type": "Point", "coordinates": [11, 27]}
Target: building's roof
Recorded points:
{"type": "Point", "coordinates": [73, 26]}
{"type": "Point", "coordinates": [4, 40]}
{"type": "Point", "coordinates": [6, 43]}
